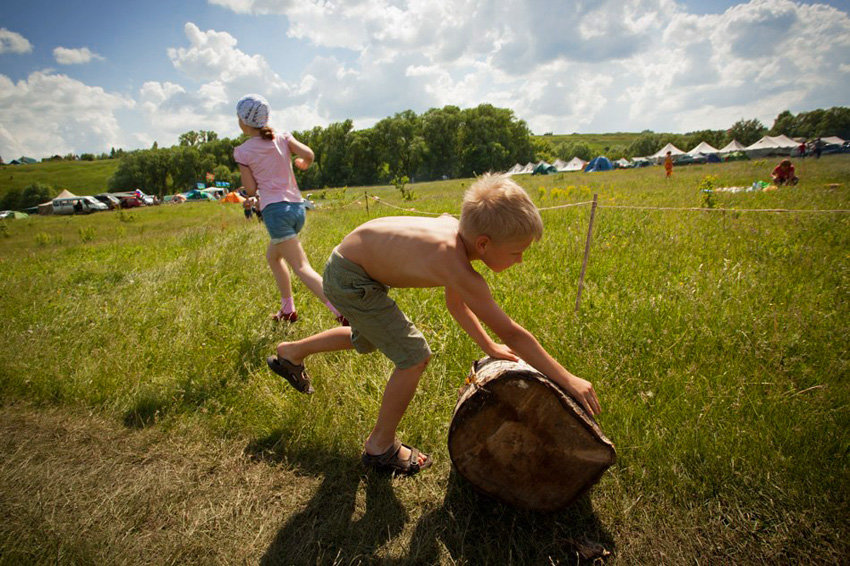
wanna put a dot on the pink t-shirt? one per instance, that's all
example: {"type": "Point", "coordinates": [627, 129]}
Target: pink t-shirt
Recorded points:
{"type": "Point", "coordinates": [271, 164]}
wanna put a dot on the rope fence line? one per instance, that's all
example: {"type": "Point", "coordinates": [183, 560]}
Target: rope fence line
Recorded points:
{"type": "Point", "coordinates": [594, 203]}
{"type": "Point", "coordinates": [640, 207]}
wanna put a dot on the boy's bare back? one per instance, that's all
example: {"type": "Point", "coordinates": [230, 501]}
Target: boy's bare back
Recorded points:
{"type": "Point", "coordinates": [408, 251]}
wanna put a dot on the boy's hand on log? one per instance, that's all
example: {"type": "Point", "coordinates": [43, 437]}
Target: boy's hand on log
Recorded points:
{"type": "Point", "coordinates": [583, 392]}
{"type": "Point", "coordinates": [501, 352]}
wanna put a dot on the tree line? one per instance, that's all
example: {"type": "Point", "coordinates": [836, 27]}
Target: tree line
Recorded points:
{"type": "Point", "coordinates": [447, 142]}
{"type": "Point", "coordinates": [441, 143]}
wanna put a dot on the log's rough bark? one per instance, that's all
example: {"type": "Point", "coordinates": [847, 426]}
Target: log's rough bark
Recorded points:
{"type": "Point", "coordinates": [520, 438]}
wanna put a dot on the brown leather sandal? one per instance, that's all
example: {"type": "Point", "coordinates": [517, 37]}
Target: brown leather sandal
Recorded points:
{"type": "Point", "coordinates": [390, 462]}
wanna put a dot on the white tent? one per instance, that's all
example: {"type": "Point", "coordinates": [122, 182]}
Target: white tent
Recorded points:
{"type": "Point", "coordinates": [662, 153]}
{"type": "Point", "coordinates": [703, 148]}
{"type": "Point", "coordinates": [780, 145]}
{"type": "Point", "coordinates": [733, 145]}
{"type": "Point", "coordinates": [515, 170]}
{"type": "Point", "coordinates": [528, 168]}
{"type": "Point", "coordinates": [559, 164]}
{"type": "Point", "coordinates": [575, 164]}
{"type": "Point", "coordinates": [623, 163]}
{"type": "Point", "coordinates": [833, 140]}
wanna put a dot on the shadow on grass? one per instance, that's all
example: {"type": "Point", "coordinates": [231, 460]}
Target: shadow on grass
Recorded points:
{"type": "Point", "coordinates": [335, 527]}
{"type": "Point", "coordinates": [475, 529]}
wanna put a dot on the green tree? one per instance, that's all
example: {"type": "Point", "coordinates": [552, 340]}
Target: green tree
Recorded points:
{"type": "Point", "coordinates": [35, 194]}
{"type": "Point", "coordinates": [746, 131]}
{"type": "Point", "coordinates": [440, 135]}
{"type": "Point", "coordinates": [785, 123]}
{"type": "Point", "coordinates": [222, 173]}
{"type": "Point", "coordinates": [492, 139]}
{"type": "Point", "coordinates": [12, 199]}
{"type": "Point", "coordinates": [646, 144]}
{"type": "Point", "coordinates": [400, 143]}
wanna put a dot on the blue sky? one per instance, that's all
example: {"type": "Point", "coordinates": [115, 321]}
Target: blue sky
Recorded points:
{"type": "Point", "coordinates": [88, 76]}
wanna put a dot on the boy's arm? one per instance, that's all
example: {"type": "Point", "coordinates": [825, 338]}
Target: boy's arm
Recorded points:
{"type": "Point", "coordinates": [474, 292]}
{"type": "Point", "coordinates": [469, 322]}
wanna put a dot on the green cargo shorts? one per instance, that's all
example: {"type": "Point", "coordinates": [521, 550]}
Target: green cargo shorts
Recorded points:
{"type": "Point", "coordinates": [376, 321]}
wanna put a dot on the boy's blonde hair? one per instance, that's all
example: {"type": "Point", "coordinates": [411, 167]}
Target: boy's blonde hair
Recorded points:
{"type": "Point", "coordinates": [495, 206]}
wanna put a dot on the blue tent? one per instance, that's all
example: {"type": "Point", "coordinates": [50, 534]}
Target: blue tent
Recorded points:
{"type": "Point", "coordinates": [600, 163]}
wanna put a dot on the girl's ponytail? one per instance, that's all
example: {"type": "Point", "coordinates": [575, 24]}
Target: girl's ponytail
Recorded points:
{"type": "Point", "coordinates": [266, 133]}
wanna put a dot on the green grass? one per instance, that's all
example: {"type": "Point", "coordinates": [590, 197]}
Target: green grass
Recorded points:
{"type": "Point", "coordinates": [597, 142]}
{"type": "Point", "coordinates": [79, 177]}
{"type": "Point", "coordinates": [718, 343]}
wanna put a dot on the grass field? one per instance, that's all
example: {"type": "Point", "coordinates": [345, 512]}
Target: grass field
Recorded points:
{"type": "Point", "coordinates": [79, 177]}
{"type": "Point", "coordinates": [141, 424]}
{"type": "Point", "coordinates": [596, 142]}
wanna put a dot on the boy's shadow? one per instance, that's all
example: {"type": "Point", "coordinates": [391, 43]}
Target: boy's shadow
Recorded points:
{"type": "Point", "coordinates": [333, 527]}
{"type": "Point", "coordinates": [475, 529]}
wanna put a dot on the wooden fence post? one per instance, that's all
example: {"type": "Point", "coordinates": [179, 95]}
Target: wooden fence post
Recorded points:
{"type": "Point", "coordinates": [366, 196]}
{"type": "Point", "coordinates": [586, 252]}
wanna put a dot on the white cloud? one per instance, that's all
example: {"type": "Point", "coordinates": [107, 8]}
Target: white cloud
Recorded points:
{"type": "Point", "coordinates": [13, 42]}
{"type": "Point", "coordinates": [56, 114]}
{"type": "Point", "coordinates": [65, 56]}
{"type": "Point", "coordinates": [567, 66]}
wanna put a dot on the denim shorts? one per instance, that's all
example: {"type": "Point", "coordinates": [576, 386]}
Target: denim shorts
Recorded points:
{"type": "Point", "coordinates": [283, 220]}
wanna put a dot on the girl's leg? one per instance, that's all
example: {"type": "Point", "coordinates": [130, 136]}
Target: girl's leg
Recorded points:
{"type": "Point", "coordinates": [280, 271]}
{"type": "Point", "coordinates": [291, 251]}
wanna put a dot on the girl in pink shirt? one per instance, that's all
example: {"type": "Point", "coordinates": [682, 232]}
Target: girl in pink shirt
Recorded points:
{"type": "Point", "coordinates": [265, 162]}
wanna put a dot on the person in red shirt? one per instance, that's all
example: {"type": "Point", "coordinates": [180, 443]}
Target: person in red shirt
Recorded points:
{"type": "Point", "coordinates": [783, 174]}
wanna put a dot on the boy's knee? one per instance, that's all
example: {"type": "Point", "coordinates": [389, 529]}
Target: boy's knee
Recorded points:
{"type": "Point", "coordinates": [420, 365]}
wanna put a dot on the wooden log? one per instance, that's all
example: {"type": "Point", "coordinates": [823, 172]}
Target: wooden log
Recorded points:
{"type": "Point", "coordinates": [520, 438]}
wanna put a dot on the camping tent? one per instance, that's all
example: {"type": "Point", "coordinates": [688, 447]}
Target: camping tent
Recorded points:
{"type": "Point", "coordinates": [559, 164]}
{"type": "Point", "coordinates": [233, 196]}
{"type": "Point", "coordinates": [515, 170]}
{"type": "Point", "coordinates": [832, 140]}
{"type": "Point", "coordinates": [703, 148]}
{"type": "Point", "coordinates": [600, 163]}
{"type": "Point", "coordinates": [65, 194]}
{"type": "Point", "coordinates": [779, 145]}
{"type": "Point", "coordinates": [13, 214]}
{"type": "Point", "coordinates": [733, 145]}
{"type": "Point", "coordinates": [574, 164]}
{"type": "Point", "coordinates": [544, 168]}
{"type": "Point", "coordinates": [623, 163]}
{"type": "Point", "coordinates": [195, 194]}
{"type": "Point", "coordinates": [662, 153]}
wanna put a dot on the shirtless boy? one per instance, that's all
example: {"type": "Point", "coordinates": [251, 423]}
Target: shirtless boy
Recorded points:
{"type": "Point", "coordinates": [498, 222]}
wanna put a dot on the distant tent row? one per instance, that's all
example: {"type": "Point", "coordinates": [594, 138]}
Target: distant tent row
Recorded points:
{"type": "Point", "coordinates": [543, 168]}
{"type": "Point", "coordinates": [702, 153]}
{"type": "Point", "coordinates": [767, 145]}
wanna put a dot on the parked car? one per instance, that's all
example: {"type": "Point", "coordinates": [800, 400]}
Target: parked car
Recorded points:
{"type": "Point", "coordinates": [77, 205]}
{"type": "Point", "coordinates": [130, 201]}
{"type": "Point", "coordinates": [111, 201]}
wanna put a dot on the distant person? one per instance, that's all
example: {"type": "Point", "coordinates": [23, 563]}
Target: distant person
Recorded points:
{"type": "Point", "coordinates": [248, 207]}
{"type": "Point", "coordinates": [802, 149]}
{"type": "Point", "coordinates": [498, 222]}
{"type": "Point", "coordinates": [668, 164]}
{"type": "Point", "coordinates": [818, 148]}
{"type": "Point", "coordinates": [265, 161]}
{"type": "Point", "coordinates": [783, 174]}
